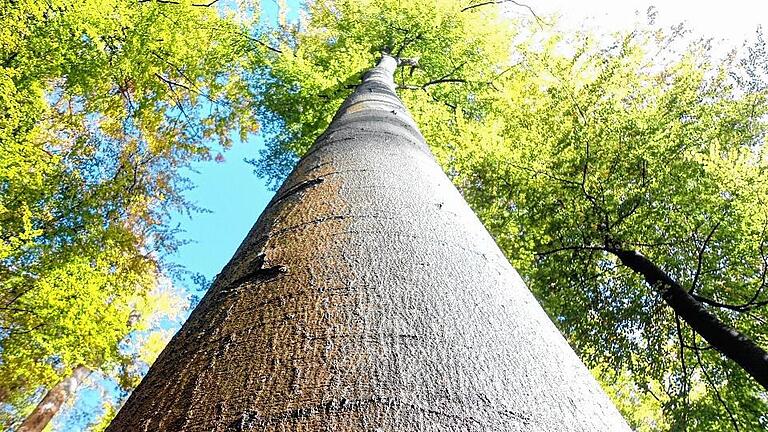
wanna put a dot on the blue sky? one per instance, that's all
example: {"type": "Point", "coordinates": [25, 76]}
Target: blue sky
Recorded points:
{"type": "Point", "coordinates": [231, 191]}
{"type": "Point", "coordinates": [235, 197]}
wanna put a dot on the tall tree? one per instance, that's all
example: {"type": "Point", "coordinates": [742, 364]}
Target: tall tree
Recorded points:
{"type": "Point", "coordinates": [53, 400]}
{"type": "Point", "coordinates": [368, 296]}
{"type": "Point", "coordinates": [667, 143]}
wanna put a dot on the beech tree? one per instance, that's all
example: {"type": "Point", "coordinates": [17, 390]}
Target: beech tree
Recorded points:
{"type": "Point", "coordinates": [610, 171]}
{"type": "Point", "coordinates": [663, 139]}
{"type": "Point", "coordinates": [368, 296]}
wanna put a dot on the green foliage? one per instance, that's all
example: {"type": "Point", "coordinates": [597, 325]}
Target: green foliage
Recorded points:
{"type": "Point", "coordinates": [102, 103]}
{"type": "Point", "coordinates": [619, 145]}
{"type": "Point", "coordinates": [321, 60]}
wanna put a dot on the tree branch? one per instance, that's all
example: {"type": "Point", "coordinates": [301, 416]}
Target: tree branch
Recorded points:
{"type": "Point", "coordinates": [684, 389]}
{"type": "Point", "coordinates": [700, 258]}
{"type": "Point", "coordinates": [443, 80]}
{"type": "Point", "coordinates": [737, 308]}
{"type": "Point", "coordinates": [571, 248]}
{"type": "Point", "coordinates": [717, 392]}
{"type": "Point", "coordinates": [209, 4]}
{"type": "Point", "coordinates": [731, 343]}
{"type": "Point", "coordinates": [476, 5]}
{"type": "Point", "coordinates": [160, 1]}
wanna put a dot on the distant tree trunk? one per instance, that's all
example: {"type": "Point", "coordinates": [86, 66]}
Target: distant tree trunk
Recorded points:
{"type": "Point", "coordinates": [368, 297]}
{"type": "Point", "coordinates": [53, 400]}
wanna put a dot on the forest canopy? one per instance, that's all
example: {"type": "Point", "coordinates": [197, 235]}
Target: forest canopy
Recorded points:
{"type": "Point", "coordinates": [583, 153]}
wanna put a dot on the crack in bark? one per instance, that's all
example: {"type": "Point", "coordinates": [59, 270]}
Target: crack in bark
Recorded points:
{"type": "Point", "coordinates": [301, 187]}
{"type": "Point", "coordinates": [258, 273]}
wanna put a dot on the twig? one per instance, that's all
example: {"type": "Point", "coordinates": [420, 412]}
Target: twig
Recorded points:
{"type": "Point", "coordinates": [701, 257]}
{"type": "Point", "coordinates": [737, 308]}
{"type": "Point", "coordinates": [684, 389]}
{"type": "Point", "coordinates": [538, 20]}
{"type": "Point", "coordinates": [160, 1]}
{"type": "Point", "coordinates": [209, 4]}
{"type": "Point", "coordinates": [442, 81]}
{"type": "Point", "coordinates": [717, 393]}
{"type": "Point", "coordinates": [571, 248]}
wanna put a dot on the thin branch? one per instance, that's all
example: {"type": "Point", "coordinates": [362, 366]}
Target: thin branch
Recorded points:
{"type": "Point", "coordinates": [699, 348]}
{"type": "Point", "coordinates": [476, 5]}
{"type": "Point", "coordinates": [160, 1]}
{"type": "Point", "coordinates": [700, 258]}
{"type": "Point", "coordinates": [684, 389]}
{"type": "Point", "coordinates": [571, 248]}
{"type": "Point", "coordinates": [443, 80]}
{"type": "Point", "coordinates": [764, 270]}
{"type": "Point", "coordinates": [544, 173]}
{"type": "Point", "coordinates": [737, 308]}
{"type": "Point", "coordinates": [717, 393]}
{"type": "Point", "coordinates": [209, 4]}
{"type": "Point", "coordinates": [265, 45]}
{"type": "Point", "coordinates": [172, 83]}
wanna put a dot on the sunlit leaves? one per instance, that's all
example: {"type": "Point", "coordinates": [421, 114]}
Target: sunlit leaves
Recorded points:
{"type": "Point", "coordinates": [459, 55]}
{"type": "Point", "coordinates": [664, 154]}
{"type": "Point", "coordinates": [103, 103]}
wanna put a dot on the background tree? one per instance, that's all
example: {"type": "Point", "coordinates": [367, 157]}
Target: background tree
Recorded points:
{"type": "Point", "coordinates": [103, 103]}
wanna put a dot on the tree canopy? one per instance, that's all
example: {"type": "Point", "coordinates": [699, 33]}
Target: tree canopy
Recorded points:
{"type": "Point", "coordinates": [617, 148]}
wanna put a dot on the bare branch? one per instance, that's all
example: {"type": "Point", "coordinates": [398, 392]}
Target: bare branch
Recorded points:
{"type": "Point", "coordinates": [737, 308]}
{"type": "Point", "coordinates": [571, 248]}
{"type": "Point", "coordinates": [442, 81]}
{"type": "Point", "coordinates": [684, 389]}
{"type": "Point", "coordinates": [171, 84]}
{"type": "Point", "coordinates": [160, 1]}
{"type": "Point", "coordinates": [263, 44]}
{"type": "Point", "coordinates": [476, 5]}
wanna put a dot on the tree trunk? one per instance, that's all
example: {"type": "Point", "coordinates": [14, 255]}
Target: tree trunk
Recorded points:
{"type": "Point", "coordinates": [368, 297]}
{"type": "Point", "coordinates": [53, 400]}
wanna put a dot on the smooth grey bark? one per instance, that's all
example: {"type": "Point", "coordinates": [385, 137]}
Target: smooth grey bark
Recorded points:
{"type": "Point", "coordinates": [53, 400]}
{"type": "Point", "coordinates": [368, 297]}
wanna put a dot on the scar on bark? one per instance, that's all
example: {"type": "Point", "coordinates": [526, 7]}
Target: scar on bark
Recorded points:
{"type": "Point", "coordinates": [258, 272]}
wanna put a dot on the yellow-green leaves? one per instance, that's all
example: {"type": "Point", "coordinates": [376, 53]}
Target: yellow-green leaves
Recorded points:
{"type": "Point", "coordinates": [628, 142]}
{"type": "Point", "coordinates": [460, 55]}
{"type": "Point", "coordinates": [102, 103]}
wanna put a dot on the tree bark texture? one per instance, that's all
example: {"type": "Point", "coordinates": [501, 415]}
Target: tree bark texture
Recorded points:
{"type": "Point", "coordinates": [368, 297]}
{"type": "Point", "coordinates": [53, 400]}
